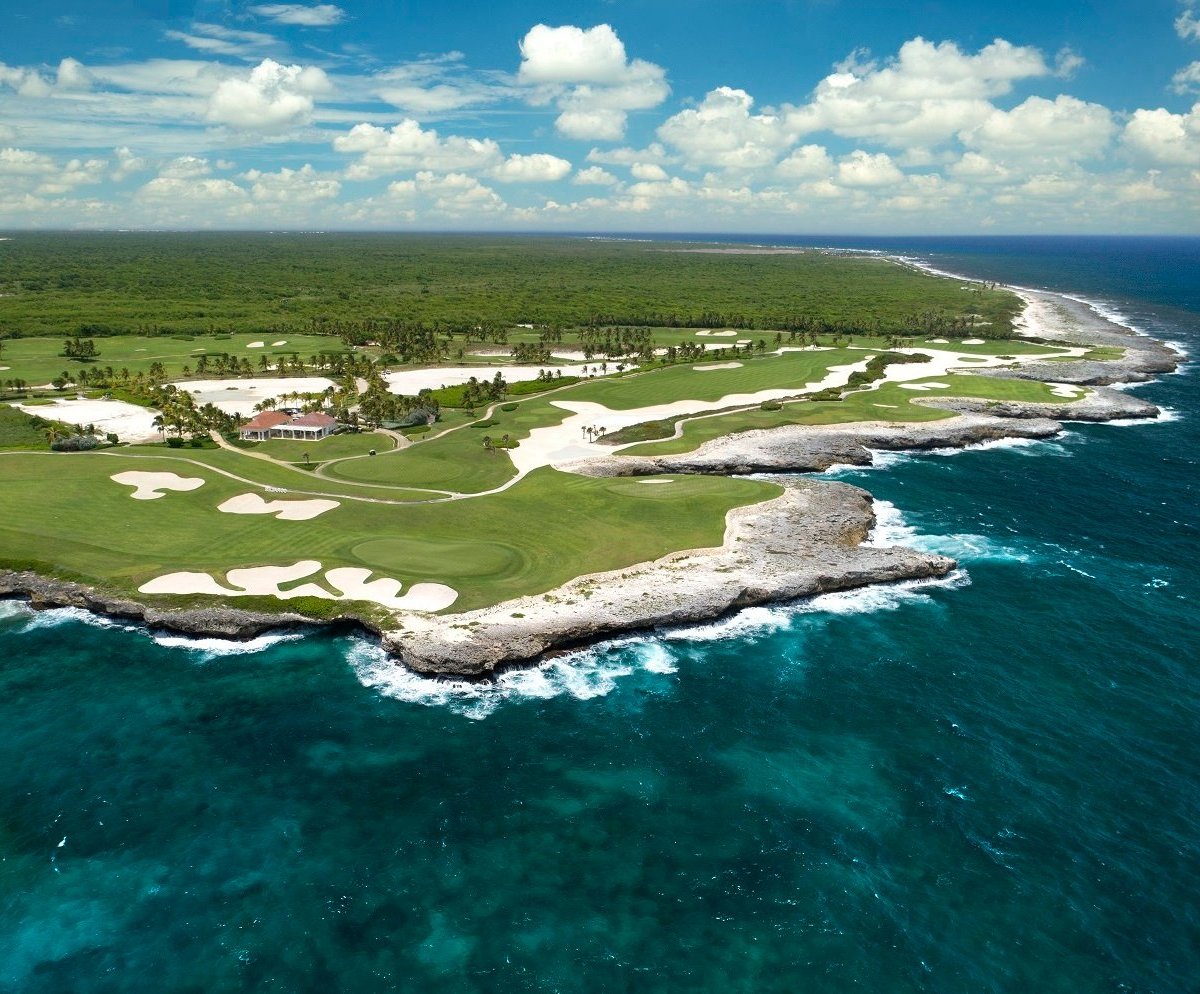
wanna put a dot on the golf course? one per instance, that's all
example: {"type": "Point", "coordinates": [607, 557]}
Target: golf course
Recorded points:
{"type": "Point", "coordinates": [469, 491]}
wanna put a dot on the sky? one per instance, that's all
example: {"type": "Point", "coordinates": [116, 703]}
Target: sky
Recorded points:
{"type": "Point", "coordinates": [750, 116]}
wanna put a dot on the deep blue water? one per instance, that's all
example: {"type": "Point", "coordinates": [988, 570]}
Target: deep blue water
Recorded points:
{"type": "Point", "coordinates": [986, 784]}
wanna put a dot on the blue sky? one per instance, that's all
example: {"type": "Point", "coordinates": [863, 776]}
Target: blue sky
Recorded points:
{"type": "Point", "coordinates": [788, 116]}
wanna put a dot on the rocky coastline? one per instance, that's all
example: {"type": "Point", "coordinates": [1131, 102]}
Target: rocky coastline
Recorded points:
{"type": "Point", "coordinates": [812, 539]}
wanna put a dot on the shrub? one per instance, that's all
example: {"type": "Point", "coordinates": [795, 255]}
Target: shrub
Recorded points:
{"type": "Point", "coordinates": [75, 443]}
{"type": "Point", "coordinates": [485, 423]}
{"type": "Point", "coordinates": [508, 407]}
{"type": "Point", "coordinates": [770, 405]}
{"type": "Point", "coordinates": [174, 443]}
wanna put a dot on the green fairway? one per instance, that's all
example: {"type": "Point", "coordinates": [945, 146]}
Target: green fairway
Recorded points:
{"type": "Point", "coordinates": [890, 402]}
{"type": "Point", "coordinates": [38, 360]}
{"type": "Point", "coordinates": [333, 447]}
{"type": "Point", "coordinates": [457, 460]}
{"type": "Point", "coordinates": [792, 370]}
{"type": "Point", "coordinates": [489, 549]}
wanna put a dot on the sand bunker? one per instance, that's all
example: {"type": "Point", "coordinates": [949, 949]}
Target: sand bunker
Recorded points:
{"type": "Point", "coordinates": [284, 510]}
{"type": "Point", "coordinates": [938, 341]}
{"type": "Point", "coordinates": [354, 583]}
{"type": "Point", "coordinates": [974, 341]}
{"type": "Point", "coordinates": [892, 406]}
{"type": "Point", "coordinates": [240, 396]}
{"type": "Point", "coordinates": [647, 482]}
{"type": "Point", "coordinates": [151, 486]}
{"type": "Point", "coordinates": [128, 421]}
{"type": "Point", "coordinates": [255, 345]}
{"type": "Point", "coordinates": [717, 334]}
{"type": "Point", "coordinates": [717, 365]}
{"type": "Point", "coordinates": [413, 381]}
{"type": "Point", "coordinates": [924, 386]}
{"type": "Point", "coordinates": [282, 341]}
{"type": "Point", "coordinates": [1066, 390]}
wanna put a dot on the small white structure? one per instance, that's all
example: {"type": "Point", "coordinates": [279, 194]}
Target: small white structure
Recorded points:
{"type": "Point", "coordinates": [276, 424]}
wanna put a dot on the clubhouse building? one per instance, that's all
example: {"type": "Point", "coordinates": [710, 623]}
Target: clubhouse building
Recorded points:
{"type": "Point", "coordinates": [277, 424]}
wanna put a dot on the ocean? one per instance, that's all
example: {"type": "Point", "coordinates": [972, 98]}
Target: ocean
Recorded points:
{"type": "Point", "coordinates": [989, 783]}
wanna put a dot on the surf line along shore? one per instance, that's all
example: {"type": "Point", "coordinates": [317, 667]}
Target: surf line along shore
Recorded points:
{"type": "Point", "coordinates": [807, 541]}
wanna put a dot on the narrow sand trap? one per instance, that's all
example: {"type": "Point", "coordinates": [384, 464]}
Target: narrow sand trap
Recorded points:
{"type": "Point", "coordinates": [717, 334]}
{"type": "Point", "coordinates": [280, 342]}
{"type": "Point", "coordinates": [353, 582]}
{"type": "Point", "coordinates": [412, 381]}
{"type": "Point", "coordinates": [892, 406]}
{"type": "Point", "coordinates": [924, 386]}
{"type": "Point", "coordinates": [284, 510]}
{"type": "Point", "coordinates": [255, 345]}
{"type": "Point", "coordinates": [1066, 390]}
{"type": "Point", "coordinates": [743, 341]}
{"type": "Point", "coordinates": [151, 486]}
{"type": "Point", "coordinates": [938, 341]}
{"type": "Point", "coordinates": [649, 482]}
{"type": "Point", "coordinates": [974, 341]}
{"type": "Point", "coordinates": [717, 365]}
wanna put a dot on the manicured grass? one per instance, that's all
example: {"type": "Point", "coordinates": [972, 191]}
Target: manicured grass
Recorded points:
{"type": "Point", "coordinates": [60, 512]}
{"type": "Point", "coordinates": [18, 431]}
{"type": "Point", "coordinates": [333, 447]}
{"type": "Point", "coordinates": [683, 382]}
{"type": "Point", "coordinates": [457, 459]}
{"type": "Point", "coordinates": [890, 402]}
{"type": "Point", "coordinates": [37, 360]}
{"type": "Point", "coordinates": [266, 473]}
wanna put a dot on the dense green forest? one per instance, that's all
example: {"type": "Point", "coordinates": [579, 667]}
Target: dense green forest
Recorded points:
{"type": "Point", "coordinates": [102, 284]}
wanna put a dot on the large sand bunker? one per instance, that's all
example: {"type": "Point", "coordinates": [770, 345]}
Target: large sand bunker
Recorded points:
{"type": "Point", "coordinates": [353, 582]}
{"type": "Point", "coordinates": [284, 510]}
{"type": "Point", "coordinates": [151, 486]}
{"type": "Point", "coordinates": [712, 366]}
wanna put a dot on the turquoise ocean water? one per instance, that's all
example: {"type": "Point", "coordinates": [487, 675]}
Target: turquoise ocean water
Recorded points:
{"type": "Point", "coordinates": [990, 783]}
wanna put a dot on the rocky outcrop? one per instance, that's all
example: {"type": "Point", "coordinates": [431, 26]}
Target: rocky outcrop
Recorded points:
{"type": "Point", "coordinates": [804, 449]}
{"type": "Point", "coordinates": [224, 622]}
{"type": "Point", "coordinates": [807, 541]}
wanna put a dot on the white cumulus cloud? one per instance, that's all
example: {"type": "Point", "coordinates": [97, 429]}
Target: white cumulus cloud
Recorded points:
{"type": "Point", "coordinates": [536, 168]}
{"type": "Point", "coordinates": [587, 74]}
{"type": "Point", "coordinates": [1172, 139]}
{"type": "Point", "coordinates": [407, 147]}
{"type": "Point", "coordinates": [723, 132]}
{"type": "Point", "coordinates": [925, 95]}
{"type": "Point", "coordinates": [270, 99]}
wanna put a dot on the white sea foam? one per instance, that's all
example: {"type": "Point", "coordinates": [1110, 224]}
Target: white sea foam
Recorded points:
{"type": "Point", "coordinates": [57, 616]}
{"type": "Point", "coordinates": [1165, 415]}
{"type": "Point", "coordinates": [212, 648]}
{"type": "Point", "coordinates": [583, 675]}
{"type": "Point", "coordinates": [1021, 446]}
{"type": "Point", "coordinates": [19, 610]}
{"type": "Point", "coordinates": [892, 529]}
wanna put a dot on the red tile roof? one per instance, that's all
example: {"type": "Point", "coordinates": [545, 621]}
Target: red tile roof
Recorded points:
{"type": "Point", "coordinates": [266, 419]}
{"type": "Point", "coordinates": [314, 421]}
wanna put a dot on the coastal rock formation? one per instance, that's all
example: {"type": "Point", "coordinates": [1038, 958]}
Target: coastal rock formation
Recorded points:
{"type": "Point", "coordinates": [224, 622]}
{"type": "Point", "coordinates": [807, 541]}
